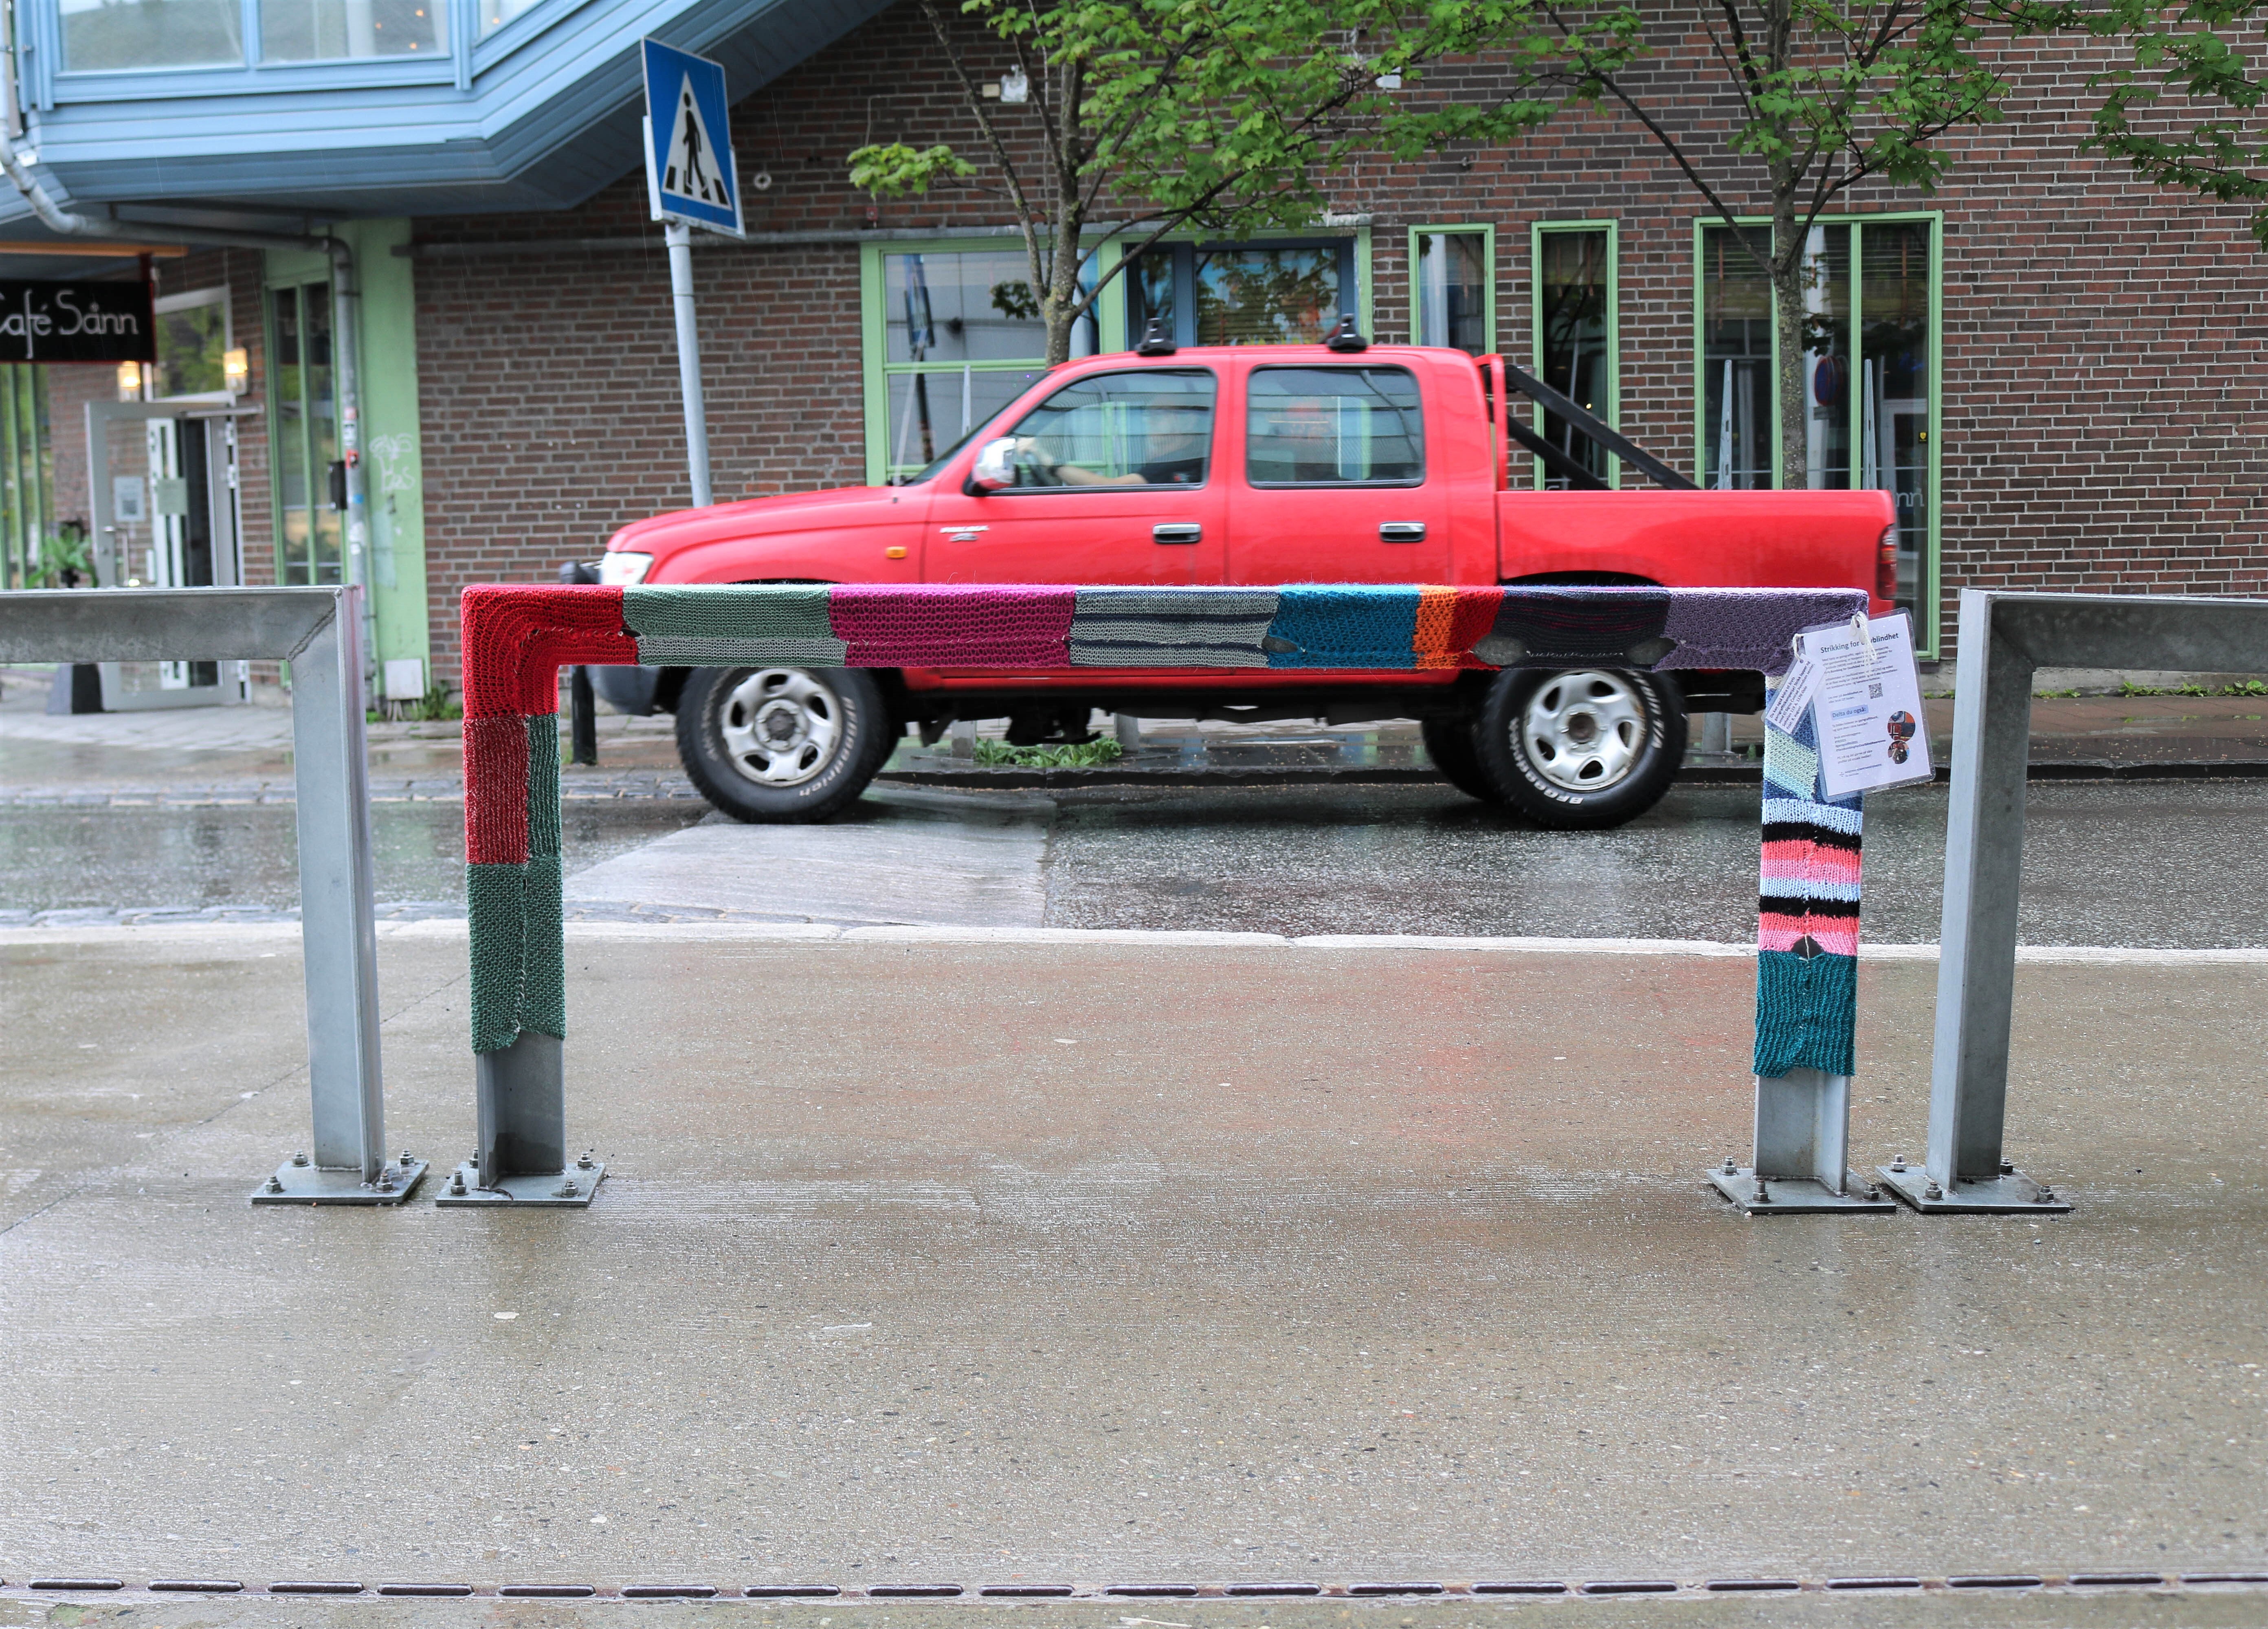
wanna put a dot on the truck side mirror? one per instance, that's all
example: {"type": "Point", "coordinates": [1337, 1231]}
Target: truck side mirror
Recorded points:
{"type": "Point", "coordinates": [995, 466]}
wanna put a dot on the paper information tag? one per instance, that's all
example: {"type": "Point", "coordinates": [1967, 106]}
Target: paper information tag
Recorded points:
{"type": "Point", "coordinates": [1865, 705]}
{"type": "Point", "coordinates": [1793, 699]}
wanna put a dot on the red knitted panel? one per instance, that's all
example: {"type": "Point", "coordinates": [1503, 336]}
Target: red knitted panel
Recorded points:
{"type": "Point", "coordinates": [951, 626]}
{"type": "Point", "coordinates": [518, 637]}
{"type": "Point", "coordinates": [495, 788]}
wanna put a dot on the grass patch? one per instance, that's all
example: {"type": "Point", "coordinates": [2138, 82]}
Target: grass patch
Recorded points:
{"type": "Point", "coordinates": [1083, 755]}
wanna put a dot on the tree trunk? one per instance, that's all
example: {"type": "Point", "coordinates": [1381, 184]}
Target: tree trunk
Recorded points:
{"type": "Point", "coordinates": [1790, 269]}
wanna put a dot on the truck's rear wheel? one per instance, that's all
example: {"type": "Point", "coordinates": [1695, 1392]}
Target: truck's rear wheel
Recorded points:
{"type": "Point", "coordinates": [1583, 749]}
{"type": "Point", "coordinates": [782, 742]}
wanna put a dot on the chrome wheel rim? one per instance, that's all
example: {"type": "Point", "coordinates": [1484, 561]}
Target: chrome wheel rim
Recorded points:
{"type": "Point", "coordinates": [1583, 732]}
{"type": "Point", "coordinates": [781, 726]}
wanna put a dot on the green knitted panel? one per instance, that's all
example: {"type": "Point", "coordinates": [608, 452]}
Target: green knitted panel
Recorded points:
{"type": "Point", "coordinates": [543, 986]}
{"type": "Point", "coordinates": [1803, 1012]}
{"type": "Point", "coordinates": [787, 611]}
{"type": "Point", "coordinates": [495, 901]}
{"type": "Point", "coordinates": [544, 785]}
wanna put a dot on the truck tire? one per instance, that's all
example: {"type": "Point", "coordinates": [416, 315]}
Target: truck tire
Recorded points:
{"type": "Point", "coordinates": [1583, 749]}
{"type": "Point", "coordinates": [783, 743]}
{"type": "Point", "coordinates": [1449, 739]}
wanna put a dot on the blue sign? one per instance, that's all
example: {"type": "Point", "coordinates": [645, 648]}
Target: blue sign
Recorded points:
{"type": "Point", "coordinates": [688, 156]}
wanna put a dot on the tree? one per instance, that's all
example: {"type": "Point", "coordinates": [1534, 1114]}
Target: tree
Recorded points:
{"type": "Point", "coordinates": [2204, 51]}
{"type": "Point", "coordinates": [1213, 115]}
{"type": "Point", "coordinates": [1827, 94]}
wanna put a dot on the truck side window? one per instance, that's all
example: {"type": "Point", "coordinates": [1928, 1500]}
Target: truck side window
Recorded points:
{"type": "Point", "coordinates": [1334, 427]}
{"type": "Point", "coordinates": [1151, 427]}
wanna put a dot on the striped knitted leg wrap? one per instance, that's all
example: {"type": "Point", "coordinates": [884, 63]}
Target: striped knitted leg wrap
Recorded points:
{"type": "Point", "coordinates": [1808, 913]}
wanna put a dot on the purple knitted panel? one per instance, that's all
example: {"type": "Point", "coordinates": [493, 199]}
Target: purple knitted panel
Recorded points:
{"type": "Point", "coordinates": [941, 625]}
{"type": "Point", "coordinates": [1740, 627]}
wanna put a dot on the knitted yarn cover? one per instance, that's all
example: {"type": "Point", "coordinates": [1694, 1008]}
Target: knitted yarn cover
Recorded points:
{"type": "Point", "coordinates": [1808, 911]}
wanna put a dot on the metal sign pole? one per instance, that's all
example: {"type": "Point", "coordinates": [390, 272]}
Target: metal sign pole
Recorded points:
{"type": "Point", "coordinates": [680, 238]}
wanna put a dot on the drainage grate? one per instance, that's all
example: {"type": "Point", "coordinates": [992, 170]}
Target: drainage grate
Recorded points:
{"type": "Point", "coordinates": [1995, 1581]}
{"type": "Point", "coordinates": [1274, 1589]}
{"type": "Point", "coordinates": [1015, 1592]}
{"type": "Point", "coordinates": [1873, 1583]}
{"type": "Point", "coordinates": [1154, 1591]}
{"type": "Point", "coordinates": [303, 1586]}
{"type": "Point", "coordinates": [421, 1588]}
{"type": "Point", "coordinates": [1730, 1586]}
{"type": "Point", "coordinates": [667, 1592]}
{"type": "Point", "coordinates": [887, 1592]}
{"type": "Point", "coordinates": [2103, 1580]}
{"type": "Point", "coordinates": [548, 1592]}
{"type": "Point", "coordinates": [1631, 1586]}
{"type": "Point", "coordinates": [1394, 1590]}
{"type": "Point", "coordinates": [1536, 1586]}
{"type": "Point", "coordinates": [789, 1592]}
{"type": "Point", "coordinates": [76, 1583]}
{"type": "Point", "coordinates": [196, 1586]}
{"type": "Point", "coordinates": [2225, 1577]}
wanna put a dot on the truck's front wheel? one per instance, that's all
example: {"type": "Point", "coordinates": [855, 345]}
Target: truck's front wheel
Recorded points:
{"type": "Point", "coordinates": [1583, 749]}
{"type": "Point", "coordinates": [767, 744]}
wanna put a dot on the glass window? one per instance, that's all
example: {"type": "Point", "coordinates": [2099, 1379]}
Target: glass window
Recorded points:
{"type": "Point", "coordinates": [1894, 350]}
{"type": "Point", "coordinates": [1867, 368]}
{"type": "Point", "coordinates": [305, 437]}
{"type": "Point", "coordinates": [107, 36]}
{"type": "Point", "coordinates": [191, 341]}
{"type": "Point", "coordinates": [494, 14]}
{"type": "Point", "coordinates": [321, 31]}
{"type": "Point", "coordinates": [962, 339]}
{"type": "Point", "coordinates": [1334, 427]}
{"type": "Point", "coordinates": [1736, 350]}
{"type": "Point", "coordinates": [1150, 429]}
{"type": "Point", "coordinates": [1575, 338]}
{"type": "Point", "coordinates": [1242, 294]}
{"type": "Point", "coordinates": [1449, 277]}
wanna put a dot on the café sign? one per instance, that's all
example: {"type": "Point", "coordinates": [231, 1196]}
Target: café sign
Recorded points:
{"type": "Point", "coordinates": [77, 322]}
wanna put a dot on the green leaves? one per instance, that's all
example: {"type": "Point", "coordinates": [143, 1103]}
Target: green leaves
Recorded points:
{"type": "Point", "coordinates": [894, 169]}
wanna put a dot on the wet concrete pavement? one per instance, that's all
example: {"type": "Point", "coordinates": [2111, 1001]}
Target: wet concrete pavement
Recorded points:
{"type": "Point", "coordinates": [2168, 864]}
{"type": "Point", "coordinates": [1102, 1265]}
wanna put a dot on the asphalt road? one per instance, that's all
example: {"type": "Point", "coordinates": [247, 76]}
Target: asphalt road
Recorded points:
{"type": "Point", "coordinates": [2174, 863]}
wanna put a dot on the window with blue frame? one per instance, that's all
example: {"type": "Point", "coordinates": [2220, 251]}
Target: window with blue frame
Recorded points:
{"type": "Point", "coordinates": [111, 36]}
{"type": "Point", "coordinates": [325, 31]}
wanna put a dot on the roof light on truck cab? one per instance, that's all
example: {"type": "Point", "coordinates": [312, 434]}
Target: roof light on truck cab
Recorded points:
{"type": "Point", "coordinates": [619, 567]}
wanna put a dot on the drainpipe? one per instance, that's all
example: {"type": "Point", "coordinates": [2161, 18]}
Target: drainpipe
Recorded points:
{"type": "Point", "coordinates": [346, 340]}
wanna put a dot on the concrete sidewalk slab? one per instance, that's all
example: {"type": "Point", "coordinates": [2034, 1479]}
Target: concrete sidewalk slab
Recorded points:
{"type": "Point", "coordinates": [897, 855]}
{"type": "Point", "coordinates": [1104, 1264]}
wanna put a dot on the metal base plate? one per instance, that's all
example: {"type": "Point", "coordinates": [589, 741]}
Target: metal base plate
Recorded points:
{"type": "Point", "coordinates": [540, 1190]}
{"type": "Point", "coordinates": [1796, 1196]}
{"type": "Point", "coordinates": [311, 1185]}
{"type": "Point", "coordinates": [2011, 1191]}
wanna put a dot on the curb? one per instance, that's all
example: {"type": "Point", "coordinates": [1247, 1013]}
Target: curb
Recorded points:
{"type": "Point", "coordinates": [1702, 774]}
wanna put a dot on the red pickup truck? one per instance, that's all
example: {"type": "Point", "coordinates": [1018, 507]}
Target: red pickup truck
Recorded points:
{"type": "Point", "coordinates": [1339, 463]}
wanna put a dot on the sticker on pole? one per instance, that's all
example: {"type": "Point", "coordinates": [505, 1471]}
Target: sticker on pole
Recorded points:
{"type": "Point", "coordinates": [689, 171]}
{"type": "Point", "coordinates": [1865, 704]}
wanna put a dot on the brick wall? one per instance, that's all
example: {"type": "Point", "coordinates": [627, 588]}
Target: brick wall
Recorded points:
{"type": "Point", "coordinates": [2104, 410]}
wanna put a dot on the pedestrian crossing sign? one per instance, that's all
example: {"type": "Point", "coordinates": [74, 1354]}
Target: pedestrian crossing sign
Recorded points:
{"type": "Point", "coordinates": [690, 175]}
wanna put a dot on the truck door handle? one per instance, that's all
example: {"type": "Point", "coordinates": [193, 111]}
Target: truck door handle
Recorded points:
{"type": "Point", "coordinates": [1177, 532]}
{"type": "Point", "coordinates": [1402, 531]}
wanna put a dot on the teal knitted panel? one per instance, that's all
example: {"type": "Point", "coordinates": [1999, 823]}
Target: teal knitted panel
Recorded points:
{"type": "Point", "coordinates": [495, 898]}
{"type": "Point", "coordinates": [1804, 1005]}
{"type": "Point", "coordinates": [543, 981]}
{"type": "Point", "coordinates": [543, 784]}
{"type": "Point", "coordinates": [783, 611]}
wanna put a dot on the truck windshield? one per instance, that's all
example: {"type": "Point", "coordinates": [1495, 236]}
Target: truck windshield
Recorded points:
{"type": "Point", "coordinates": [929, 471]}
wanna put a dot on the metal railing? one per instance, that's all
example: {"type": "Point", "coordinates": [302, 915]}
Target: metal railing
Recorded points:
{"type": "Point", "coordinates": [318, 631]}
{"type": "Point", "coordinates": [2004, 638]}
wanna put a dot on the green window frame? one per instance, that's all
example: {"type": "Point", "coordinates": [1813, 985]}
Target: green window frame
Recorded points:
{"type": "Point", "coordinates": [1486, 233]}
{"type": "Point", "coordinates": [879, 373]}
{"type": "Point", "coordinates": [1538, 232]}
{"type": "Point", "coordinates": [1865, 453]}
